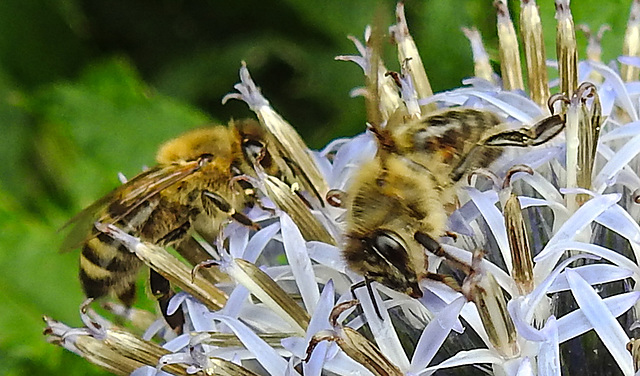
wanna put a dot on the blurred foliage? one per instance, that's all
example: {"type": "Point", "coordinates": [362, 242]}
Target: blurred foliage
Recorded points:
{"type": "Point", "coordinates": [91, 88]}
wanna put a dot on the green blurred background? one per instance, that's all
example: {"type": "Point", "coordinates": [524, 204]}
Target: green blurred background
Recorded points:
{"type": "Point", "coordinates": [91, 88]}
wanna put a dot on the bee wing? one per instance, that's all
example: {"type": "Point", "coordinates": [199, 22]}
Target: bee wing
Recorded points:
{"type": "Point", "coordinates": [129, 196]}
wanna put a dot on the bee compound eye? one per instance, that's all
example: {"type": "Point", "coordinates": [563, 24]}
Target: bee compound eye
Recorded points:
{"type": "Point", "coordinates": [386, 244]}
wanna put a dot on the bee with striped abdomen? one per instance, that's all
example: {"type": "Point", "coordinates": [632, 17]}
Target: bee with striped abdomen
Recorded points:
{"type": "Point", "coordinates": [190, 189]}
{"type": "Point", "coordinates": [398, 203]}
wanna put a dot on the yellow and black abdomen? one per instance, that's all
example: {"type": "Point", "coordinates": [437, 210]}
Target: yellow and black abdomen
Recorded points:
{"type": "Point", "coordinates": [107, 266]}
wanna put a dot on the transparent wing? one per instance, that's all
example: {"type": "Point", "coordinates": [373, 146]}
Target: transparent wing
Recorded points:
{"type": "Point", "coordinates": [128, 198]}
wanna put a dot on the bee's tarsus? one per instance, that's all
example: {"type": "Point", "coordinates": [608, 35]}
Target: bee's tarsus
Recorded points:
{"type": "Point", "coordinates": [451, 234]}
{"type": "Point", "coordinates": [243, 219]}
{"type": "Point", "coordinates": [297, 170]}
{"type": "Point", "coordinates": [304, 200]}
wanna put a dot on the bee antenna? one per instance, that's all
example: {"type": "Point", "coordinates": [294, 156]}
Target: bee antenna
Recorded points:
{"type": "Point", "coordinates": [367, 283]}
{"type": "Point", "coordinates": [373, 298]}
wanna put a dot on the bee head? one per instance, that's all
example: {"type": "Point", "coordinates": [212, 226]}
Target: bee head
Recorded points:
{"type": "Point", "coordinates": [385, 258]}
{"type": "Point", "coordinates": [213, 141]}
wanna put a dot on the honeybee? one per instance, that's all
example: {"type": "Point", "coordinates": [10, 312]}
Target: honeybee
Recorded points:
{"type": "Point", "coordinates": [398, 203]}
{"type": "Point", "coordinates": [191, 188]}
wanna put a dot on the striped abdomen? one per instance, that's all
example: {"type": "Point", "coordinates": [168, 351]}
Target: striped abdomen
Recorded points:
{"type": "Point", "coordinates": [107, 266]}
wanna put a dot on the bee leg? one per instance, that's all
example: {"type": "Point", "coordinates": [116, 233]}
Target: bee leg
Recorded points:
{"type": "Point", "coordinates": [451, 235]}
{"type": "Point", "coordinates": [487, 150]}
{"type": "Point", "coordinates": [251, 194]}
{"type": "Point", "coordinates": [222, 204]}
{"type": "Point", "coordinates": [445, 279]}
{"type": "Point", "coordinates": [297, 171]}
{"type": "Point", "coordinates": [478, 157]}
{"type": "Point", "coordinates": [266, 208]}
{"type": "Point", "coordinates": [367, 283]}
{"type": "Point", "coordinates": [537, 134]}
{"type": "Point", "coordinates": [303, 198]}
{"type": "Point", "coordinates": [161, 289]}
{"type": "Point", "coordinates": [176, 235]}
{"type": "Point", "coordinates": [434, 247]}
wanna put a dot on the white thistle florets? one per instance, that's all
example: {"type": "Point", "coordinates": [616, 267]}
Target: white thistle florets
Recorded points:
{"type": "Point", "coordinates": [565, 219]}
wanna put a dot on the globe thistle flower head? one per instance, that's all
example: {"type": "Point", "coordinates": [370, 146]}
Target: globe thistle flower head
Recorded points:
{"type": "Point", "coordinates": [544, 241]}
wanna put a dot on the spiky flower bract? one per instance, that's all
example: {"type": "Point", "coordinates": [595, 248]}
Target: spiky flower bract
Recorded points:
{"type": "Point", "coordinates": [551, 233]}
